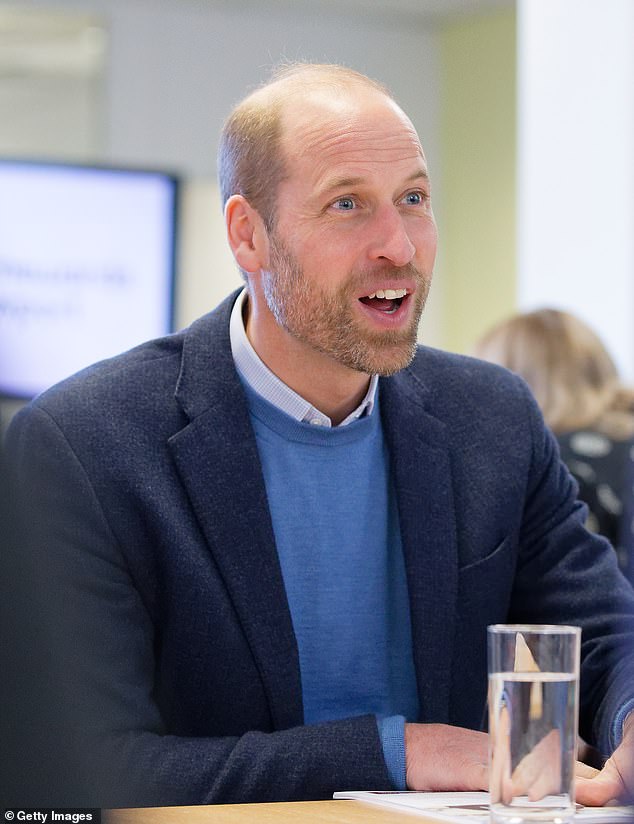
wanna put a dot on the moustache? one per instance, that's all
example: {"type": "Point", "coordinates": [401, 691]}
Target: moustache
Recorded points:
{"type": "Point", "coordinates": [390, 272]}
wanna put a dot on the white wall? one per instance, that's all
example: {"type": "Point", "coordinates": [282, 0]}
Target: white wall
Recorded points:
{"type": "Point", "coordinates": [208, 270]}
{"type": "Point", "coordinates": [176, 68]}
{"type": "Point", "coordinates": [576, 164]}
{"type": "Point", "coordinates": [28, 108]}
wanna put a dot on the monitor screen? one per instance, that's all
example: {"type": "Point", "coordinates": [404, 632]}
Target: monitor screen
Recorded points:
{"type": "Point", "coordinates": [87, 259]}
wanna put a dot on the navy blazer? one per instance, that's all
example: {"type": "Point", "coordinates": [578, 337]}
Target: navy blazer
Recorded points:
{"type": "Point", "coordinates": [170, 624]}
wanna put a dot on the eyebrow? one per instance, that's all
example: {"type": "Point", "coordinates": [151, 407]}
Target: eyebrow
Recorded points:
{"type": "Point", "coordinates": [348, 182]}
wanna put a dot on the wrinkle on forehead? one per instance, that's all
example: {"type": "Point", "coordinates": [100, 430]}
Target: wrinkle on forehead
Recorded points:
{"type": "Point", "coordinates": [343, 129]}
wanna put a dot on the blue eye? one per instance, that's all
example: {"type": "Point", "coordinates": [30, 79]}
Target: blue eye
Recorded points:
{"type": "Point", "coordinates": [413, 198]}
{"type": "Point", "coordinates": [344, 204]}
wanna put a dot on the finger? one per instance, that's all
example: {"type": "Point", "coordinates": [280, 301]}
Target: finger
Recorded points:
{"type": "Point", "coordinates": [478, 776]}
{"type": "Point", "coordinates": [497, 775]}
{"type": "Point", "coordinates": [596, 792]}
{"type": "Point", "coordinates": [507, 789]}
{"type": "Point", "coordinates": [525, 774]}
{"type": "Point", "coordinates": [608, 785]}
{"type": "Point", "coordinates": [501, 759]}
{"type": "Point", "coordinates": [585, 770]}
{"type": "Point", "coordinates": [546, 783]}
{"type": "Point", "coordinates": [539, 772]}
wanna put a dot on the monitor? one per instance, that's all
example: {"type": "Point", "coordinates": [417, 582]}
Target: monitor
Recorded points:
{"type": "Point", "coordinates": [87, 266]}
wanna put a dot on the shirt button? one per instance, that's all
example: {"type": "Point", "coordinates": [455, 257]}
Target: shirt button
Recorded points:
{"type": "Point", "coordinates": [316, 422]}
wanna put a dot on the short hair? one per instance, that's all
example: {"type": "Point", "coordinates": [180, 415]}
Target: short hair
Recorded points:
{"type": "Point", "coordinates": [568, 369]}
{"type": "Point", "coordinates": [250, 157]}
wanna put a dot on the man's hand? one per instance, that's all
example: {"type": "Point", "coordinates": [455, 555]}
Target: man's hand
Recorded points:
{"type": "Point", "coordinates": [615, 782]}
{"type": "Point", "coordinates": [439, 757]}
{"type": "Point", "coordinates": [443, 758]}
{"type": "Point", "coordinates": [538, 774]}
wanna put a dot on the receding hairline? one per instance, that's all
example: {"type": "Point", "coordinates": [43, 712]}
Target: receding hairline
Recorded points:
{"type": "Point", "coordinates": [299, 81]}
{"type": "Point", "coordinates": [289, 79]}
{"type": "Point", "coordinates": [251, 159]}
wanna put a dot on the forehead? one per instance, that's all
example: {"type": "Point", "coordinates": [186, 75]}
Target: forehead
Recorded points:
{"type": "Point", "coordinates": [328, 134]}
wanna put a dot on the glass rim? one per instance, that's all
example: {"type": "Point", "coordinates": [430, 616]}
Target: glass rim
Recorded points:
{"type": "Point", "coordinates": [536, 629]}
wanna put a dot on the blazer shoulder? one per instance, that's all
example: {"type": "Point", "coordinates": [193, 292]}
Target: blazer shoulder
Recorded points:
{"type": "Point", "coordinates": [127, 375]}
{"type": "Point", "coordinates": [141, 382]}
{"type": "Point", "coordinates": [466, 395]}
{"type": "Point", "coordinates": [437, 371]}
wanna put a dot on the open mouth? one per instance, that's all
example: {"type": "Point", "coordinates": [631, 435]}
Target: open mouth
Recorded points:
{"type": "Point", "coordinates": [385, 300]}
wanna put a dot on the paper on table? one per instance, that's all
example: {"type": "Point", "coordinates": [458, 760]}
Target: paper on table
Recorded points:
{"type": "Point", "coordinates": [471, 808]}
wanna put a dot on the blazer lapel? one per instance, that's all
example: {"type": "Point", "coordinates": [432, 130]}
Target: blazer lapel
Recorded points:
{"type": "Point", "coordinates": [422, 475]}
{"type": "Point", "coordinates": [218, 463]}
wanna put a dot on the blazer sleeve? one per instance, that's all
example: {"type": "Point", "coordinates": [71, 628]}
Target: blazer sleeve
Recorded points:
{"type": "Point", "coordinates": [93, 731]}
{"type": "Point", "coordinates": [566, 574]}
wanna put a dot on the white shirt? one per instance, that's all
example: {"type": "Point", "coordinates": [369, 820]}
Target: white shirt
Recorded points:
{"type": "Point", "coordinates": [271, 388]}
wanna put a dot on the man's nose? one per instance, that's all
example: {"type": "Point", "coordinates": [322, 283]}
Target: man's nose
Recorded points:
{"type": "Point", "coordinates": [390, 239]}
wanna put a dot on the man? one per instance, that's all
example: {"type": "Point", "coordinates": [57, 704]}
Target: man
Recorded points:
{"type": "Point", "coordinates": [277, 567]}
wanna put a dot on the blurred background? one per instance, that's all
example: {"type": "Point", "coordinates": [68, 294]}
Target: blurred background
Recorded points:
{"type": "Point", "coordinates": [525, 109]}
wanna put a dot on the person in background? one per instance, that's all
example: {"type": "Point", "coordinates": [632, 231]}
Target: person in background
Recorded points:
{"type": "Point", "coordinates": [585, 403]}
{"type": "Point", "coordinates": [275, 539]}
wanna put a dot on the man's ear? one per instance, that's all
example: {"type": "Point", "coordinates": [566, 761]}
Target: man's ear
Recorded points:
{"type": "Point", "coordinates": [246, 234]}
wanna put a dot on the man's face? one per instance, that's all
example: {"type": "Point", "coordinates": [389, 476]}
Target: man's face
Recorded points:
{"type": "Point", "coordinates": [353, 248]}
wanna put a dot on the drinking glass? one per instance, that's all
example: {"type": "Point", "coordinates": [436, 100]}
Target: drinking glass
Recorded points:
{"type": "Point", "coordinates": [533, 717]}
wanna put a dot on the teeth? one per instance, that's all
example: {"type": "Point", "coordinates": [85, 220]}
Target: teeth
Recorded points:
{"type": "Point", "coordinates": [389, 294]}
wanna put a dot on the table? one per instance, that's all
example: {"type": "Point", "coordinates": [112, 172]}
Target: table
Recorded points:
{"type": "Point", "coordinates": [311, 812]}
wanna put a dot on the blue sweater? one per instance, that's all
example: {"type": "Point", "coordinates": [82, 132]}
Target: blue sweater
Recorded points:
{"type": "Point", "coordinates": [336, 528]}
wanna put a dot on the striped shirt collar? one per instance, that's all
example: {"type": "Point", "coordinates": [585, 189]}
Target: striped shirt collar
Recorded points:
{"type": "Point", "coordinates": [260, 378]}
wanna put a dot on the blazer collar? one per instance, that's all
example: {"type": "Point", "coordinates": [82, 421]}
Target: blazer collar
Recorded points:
{"type": "Point", "coordinates": [217, 459]}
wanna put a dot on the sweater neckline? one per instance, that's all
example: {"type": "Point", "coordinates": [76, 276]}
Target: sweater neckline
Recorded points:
{"type": "Point", "coordinates": [291, 429]}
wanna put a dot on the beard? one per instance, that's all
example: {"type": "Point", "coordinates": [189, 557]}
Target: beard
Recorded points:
{"type": "Point", "coordinates": [325, 320]}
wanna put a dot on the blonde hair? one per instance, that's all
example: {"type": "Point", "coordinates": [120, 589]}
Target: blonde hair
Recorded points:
{"type": "Point", "coordinates": [568, 368]}
{"type": "Point", "coordinates": [250, 158]}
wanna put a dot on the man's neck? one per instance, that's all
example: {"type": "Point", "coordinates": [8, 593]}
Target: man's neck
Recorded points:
{"type": "Point", "coordinates": [327, 385]}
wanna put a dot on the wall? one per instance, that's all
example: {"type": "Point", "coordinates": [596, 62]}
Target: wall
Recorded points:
{"type": "Point", "coordinates": [576, 164]}
{"type": "Point", "coordinates": [477, 212]}
{"type": "Point", "coordinates": [198, 58]}
{"type": "Point", "coordinates": [51, 70]}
